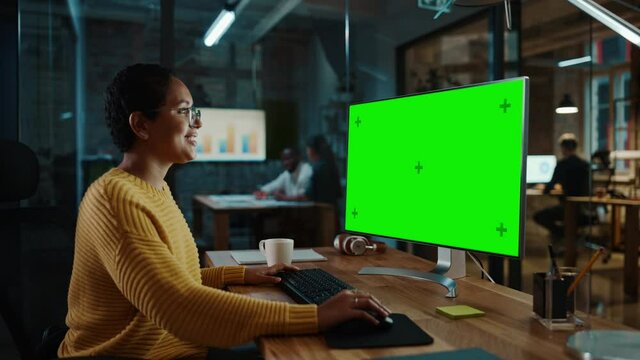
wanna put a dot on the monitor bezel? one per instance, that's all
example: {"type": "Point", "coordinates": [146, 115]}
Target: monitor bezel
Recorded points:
{"type": "Point", "coordinates": [523, 168]}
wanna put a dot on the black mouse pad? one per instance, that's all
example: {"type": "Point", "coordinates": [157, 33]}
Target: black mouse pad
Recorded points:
{"type": "Point", "coordinates": [361, 334]}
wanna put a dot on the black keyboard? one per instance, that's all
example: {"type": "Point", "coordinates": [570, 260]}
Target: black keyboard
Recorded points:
{"type": "Point", "coordinates": [311, 286]}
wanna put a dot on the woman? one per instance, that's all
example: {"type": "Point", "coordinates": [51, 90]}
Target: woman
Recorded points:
{"type": "Point", "coordinates": [325, 181]}
{"type": "Point", "coordinates": [136, 288]}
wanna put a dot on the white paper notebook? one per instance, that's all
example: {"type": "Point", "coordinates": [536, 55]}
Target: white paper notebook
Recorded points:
{"type": "Point", "coordinates": [251, 257]}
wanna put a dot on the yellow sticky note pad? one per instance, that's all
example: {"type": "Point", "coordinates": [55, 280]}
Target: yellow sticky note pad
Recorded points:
{"type": "Point", "coordinates": [459, 311]}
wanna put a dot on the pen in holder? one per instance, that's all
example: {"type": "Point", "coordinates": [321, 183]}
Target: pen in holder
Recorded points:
{"type": "Point", "coordinates": [554, 305]}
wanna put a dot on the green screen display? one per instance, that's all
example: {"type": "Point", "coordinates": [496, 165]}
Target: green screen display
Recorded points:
{"type": "Point", "coordinates": [443, 168]}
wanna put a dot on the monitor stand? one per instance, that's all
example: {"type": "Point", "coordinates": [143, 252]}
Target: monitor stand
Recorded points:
{"type": "Point", "coordinates": [450, 263]}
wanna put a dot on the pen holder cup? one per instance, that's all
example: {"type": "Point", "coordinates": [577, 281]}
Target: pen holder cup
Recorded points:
{"type": "Point", "coordinates": [553, 307]}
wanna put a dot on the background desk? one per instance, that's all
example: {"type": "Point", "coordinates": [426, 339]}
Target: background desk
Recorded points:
{"type": "Point", "coordinates": [631, 237]}
{"type": "Point", "coordinates": [507, 329]}
{"type": "Point", "coordinates": [223, 206]}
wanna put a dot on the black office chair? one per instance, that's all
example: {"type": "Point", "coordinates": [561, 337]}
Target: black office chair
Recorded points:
{"type": "Point", "coordinates": [19, 177]}
{"type": "Point", "coordinates": [19, 169]}
{"type": "Point", "coordinates": [18, 180]}
{"type": "Point", "coordinates": [51, 339]}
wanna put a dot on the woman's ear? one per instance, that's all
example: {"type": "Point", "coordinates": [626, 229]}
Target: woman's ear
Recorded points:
{"type": "Point", "coordinates": [139, 125]}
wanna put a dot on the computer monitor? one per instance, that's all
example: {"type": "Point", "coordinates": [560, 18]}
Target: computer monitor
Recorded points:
{"type": "Point", "coordinates": [540, 168]}
{"type": "Point", "coordinates": [445, 168]}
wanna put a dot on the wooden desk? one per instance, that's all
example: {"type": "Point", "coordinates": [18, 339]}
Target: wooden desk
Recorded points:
{"type": "Point", "coordinates": [507, 330]}
{"type": "Point", "coordinates": [538, 192]}
{"type": "Point", "coordinates": [631, 238]}
{"type": "Point", "coordinates": [224, 205]}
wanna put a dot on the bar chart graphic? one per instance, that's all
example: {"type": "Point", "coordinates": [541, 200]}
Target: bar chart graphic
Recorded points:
{"type": "Point", "coordinates": [232, 135]}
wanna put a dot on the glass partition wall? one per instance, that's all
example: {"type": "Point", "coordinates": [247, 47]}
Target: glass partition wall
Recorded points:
{"type": "Point", "coordinates": [573, 59]}
{"type": "Point", "coordinates": [292, 64]}
{"type": "Point", "coordinates": [48, 97]}
{"type": "Point", "coordinates": [456, 56]}
{"type": "Point", "coordinates": [68, 51]}
{"type": "Point", "coordinates": [48, 124]}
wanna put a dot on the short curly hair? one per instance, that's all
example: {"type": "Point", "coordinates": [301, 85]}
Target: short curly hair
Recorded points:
{"type": "Point", "coordinates": [139, 87]}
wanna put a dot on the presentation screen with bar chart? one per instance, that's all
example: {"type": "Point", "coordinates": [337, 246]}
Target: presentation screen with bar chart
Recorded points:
{"type": "Point", "coordinates": [446, 168]}
{"type": "Point", "coordinates": [231, 135]}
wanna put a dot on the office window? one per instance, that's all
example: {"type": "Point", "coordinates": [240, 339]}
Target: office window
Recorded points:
{"type": "Point", "coordinates": [600, 112]}
{"type": "Point", "coordinates": [610, 111]}
{"type": "Point", "coordinates": [622, 104]}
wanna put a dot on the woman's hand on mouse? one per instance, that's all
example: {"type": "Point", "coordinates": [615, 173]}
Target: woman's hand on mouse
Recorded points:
{"type": "Point", "coordinates": [347, 305]}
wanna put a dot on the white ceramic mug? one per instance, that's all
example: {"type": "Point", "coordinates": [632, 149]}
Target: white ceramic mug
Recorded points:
{"type": "Point", "coordinates": [277, 250]}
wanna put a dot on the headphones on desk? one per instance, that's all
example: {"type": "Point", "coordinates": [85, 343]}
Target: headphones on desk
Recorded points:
{"type": "Point", "coordinates": [350, 244]}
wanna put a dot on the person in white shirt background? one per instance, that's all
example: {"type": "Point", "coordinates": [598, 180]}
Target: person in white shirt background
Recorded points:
{"type": "Point", "coordinates": [292, 183]}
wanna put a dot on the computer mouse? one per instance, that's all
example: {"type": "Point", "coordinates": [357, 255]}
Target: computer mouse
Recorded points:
{"type": "Point", "coordinates": [384, 322]}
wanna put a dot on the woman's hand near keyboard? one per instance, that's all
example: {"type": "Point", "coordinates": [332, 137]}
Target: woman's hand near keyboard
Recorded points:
{"type": "Point", "coordinates": [265, 275]}
{"type": "Point", "coordinates": [348, 305]}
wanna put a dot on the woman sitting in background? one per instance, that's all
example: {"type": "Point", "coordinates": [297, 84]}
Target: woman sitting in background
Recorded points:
{"type": "Point", "coordinates": [325, 182]}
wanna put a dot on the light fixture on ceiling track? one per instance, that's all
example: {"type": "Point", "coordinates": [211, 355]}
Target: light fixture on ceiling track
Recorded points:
{"type": "Point", "coordinates": [574, 61]}
{"type": "Point", "coordinates": [443, 6]}
{"type": "Point", "coordinates": [220, 25]}
{"type": "Point", "coordinates": [609, 19]}
{"type": "Point", "coordinates": [590, 7]}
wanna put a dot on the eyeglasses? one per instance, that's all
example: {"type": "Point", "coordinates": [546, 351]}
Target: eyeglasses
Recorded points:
{"type": "Point", "coordinates": [192, 113]}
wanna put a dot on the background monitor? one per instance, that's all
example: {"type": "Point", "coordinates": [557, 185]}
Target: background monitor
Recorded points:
{"type": "Point", "coordinates": [540, 168]}
{"type": "Point", "coordinates": [445, 168]}
{"type": "Point", "coordinates": [231, 135]}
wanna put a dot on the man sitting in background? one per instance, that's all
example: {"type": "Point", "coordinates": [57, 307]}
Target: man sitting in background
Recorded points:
{"type": "Point", "coordinates": [292, 182]}
{"type": "Point", "coordinates": [571, 175]}
{"type": "Point", "coordinates": [288, 186]}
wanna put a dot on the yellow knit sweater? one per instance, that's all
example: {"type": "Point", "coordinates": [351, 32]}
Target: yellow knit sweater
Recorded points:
{"type": "Point", "coordinates": [137, 289]}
